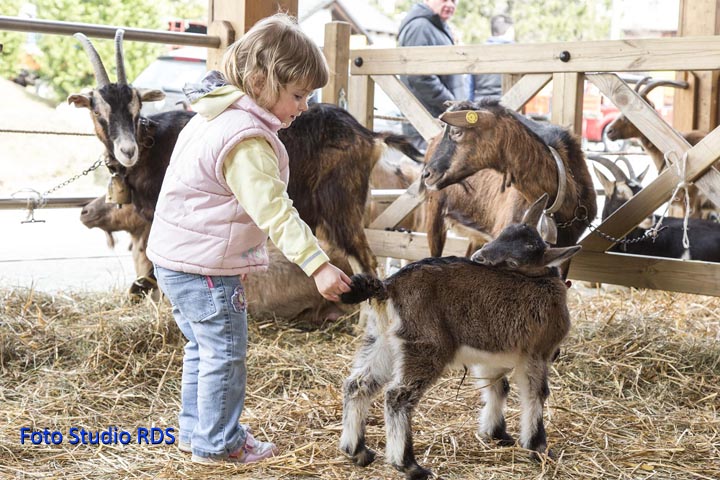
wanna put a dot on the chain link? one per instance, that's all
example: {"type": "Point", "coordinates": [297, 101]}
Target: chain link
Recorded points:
{"type": "Point", "coordinates": [581, 215]}
{"type": "Point", "coordinates": [43, 197]}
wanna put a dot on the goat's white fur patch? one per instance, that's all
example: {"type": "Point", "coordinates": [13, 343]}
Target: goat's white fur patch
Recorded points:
{"type": "Point", "coordinates": [396, 425]}
{"type": "Point", "coordinates": [468, 356]}
{"type": "Point", "coordinates": [489, 380]}
{"type": "Point", "coordinates": [531, 407]}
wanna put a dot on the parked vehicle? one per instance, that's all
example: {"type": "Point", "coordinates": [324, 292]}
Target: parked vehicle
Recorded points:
{"type": "Point", "coordinates": [169, 73]}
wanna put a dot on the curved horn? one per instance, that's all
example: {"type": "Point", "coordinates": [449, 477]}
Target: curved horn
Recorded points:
{"type": "Point", "coordinates": [101, 75]}
{"type": "Point", "coordinates": [631, 171]}
{"type": "Point", "coordinates": [614, 169]}
{"type": "Point", "coordinates": [642, 82]}
{"type": "Point", "coordinates": [119, 57]}
{"type": "Point", "coordinates": [660, 83]}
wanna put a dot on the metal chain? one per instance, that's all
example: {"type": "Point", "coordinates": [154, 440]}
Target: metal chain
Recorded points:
{"type": "Point", "coordinates": [43, 196]}
{"type": "Point", "coordinates": [580, 215]}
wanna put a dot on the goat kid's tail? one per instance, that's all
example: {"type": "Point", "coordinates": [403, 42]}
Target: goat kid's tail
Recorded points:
{"type": "Point", "coordinates": [402, 144]}
{"type": "Point", "coordinates": [364, 286]}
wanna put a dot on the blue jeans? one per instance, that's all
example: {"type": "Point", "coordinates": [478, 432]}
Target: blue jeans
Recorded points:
{"type": "Point", "coordinates": [211, 313]}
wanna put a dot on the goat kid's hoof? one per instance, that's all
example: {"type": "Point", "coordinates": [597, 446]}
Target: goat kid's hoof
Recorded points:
{"type": "Point", "coordinates": [505, 440]}
{"type": "Point", "coordinates": [539, 457]}
{"type": "Point", "coordinates": [415, 472]}
{"type": "Point", "coordinates": [362, 457]}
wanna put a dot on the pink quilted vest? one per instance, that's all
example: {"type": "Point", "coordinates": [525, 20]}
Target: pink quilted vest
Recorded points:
{"type": "Point", "coordinates": [199, 226]}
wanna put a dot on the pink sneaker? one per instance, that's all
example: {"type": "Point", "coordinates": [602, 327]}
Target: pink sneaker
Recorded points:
{"type": "Point", "coordinates": [253, 451]}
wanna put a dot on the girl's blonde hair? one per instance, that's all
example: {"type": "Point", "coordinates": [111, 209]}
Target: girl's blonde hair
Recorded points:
{"type": "Point", "coordinates": [275, 52]}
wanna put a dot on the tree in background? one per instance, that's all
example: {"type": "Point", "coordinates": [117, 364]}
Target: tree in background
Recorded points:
{"type": "Point", "coordinates": [63, 65]}
{"type": "Point", "coordinates": [535, 20]}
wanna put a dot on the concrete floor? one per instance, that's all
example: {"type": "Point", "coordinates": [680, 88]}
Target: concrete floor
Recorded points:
{"type": "Point", "coordinates": [60, 254]}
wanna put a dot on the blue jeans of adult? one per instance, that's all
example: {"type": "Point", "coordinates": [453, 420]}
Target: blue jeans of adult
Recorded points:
{"type": "Point", "coordinates": [211, 312]}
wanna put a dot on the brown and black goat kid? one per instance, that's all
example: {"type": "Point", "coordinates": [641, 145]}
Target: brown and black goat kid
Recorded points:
{"type": "Point", "coordinates": [490, 163]}
{"type": "Point", "coordinates": [452, 312]}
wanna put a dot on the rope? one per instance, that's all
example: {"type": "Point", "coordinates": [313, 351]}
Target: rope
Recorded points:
{"type": "Point", "coordinates": [681, 167]}
{"type": "Point", "coordinates": [45, 132]}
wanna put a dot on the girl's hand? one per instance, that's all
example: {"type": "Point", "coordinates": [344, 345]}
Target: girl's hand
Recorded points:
{"type": "Point", "coordinates": [331, 281]}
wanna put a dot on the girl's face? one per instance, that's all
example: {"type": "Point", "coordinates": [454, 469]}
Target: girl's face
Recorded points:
{"type": "Point", "coordinates": [291, 103]}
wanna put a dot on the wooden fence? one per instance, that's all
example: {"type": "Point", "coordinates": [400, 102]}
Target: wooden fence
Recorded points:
{"type": "Point", "coordinates": [530, 68]}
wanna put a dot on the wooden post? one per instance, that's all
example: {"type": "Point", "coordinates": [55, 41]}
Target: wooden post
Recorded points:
{"type": "Point", "coordinates": [337, 52]}
{"type": "Point", "coordinates": [697, 107]}
{"type": "Point", "coordinates": [567, 101]}
{"type": "Point", "coordinates": [361, 98]}
{"type": "Point", "coordinates": [229, 19]}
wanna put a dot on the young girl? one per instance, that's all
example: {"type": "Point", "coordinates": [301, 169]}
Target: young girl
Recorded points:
{"type": "Point", "coordinates": [224, 193]}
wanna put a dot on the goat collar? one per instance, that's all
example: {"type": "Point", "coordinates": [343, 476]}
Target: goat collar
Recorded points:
{"type": "Point", "coordinates": [547, 226]}
{"type": "Point", "coordinates": [562, 182]}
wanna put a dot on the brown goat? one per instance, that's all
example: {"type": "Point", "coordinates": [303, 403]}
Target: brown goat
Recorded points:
{"type": "Point", "coordinates": [394, 175]}
{"type": "Point", "coordinates": [111, 218]}
{"type": "Point", "coordinates": [283, 291]}
{"type": "Point", "coordinates": [454, 312]}
{"type": "Point", "coordinates": [487, 165]}
{"type": "Point", "coordinates": [623, 128]}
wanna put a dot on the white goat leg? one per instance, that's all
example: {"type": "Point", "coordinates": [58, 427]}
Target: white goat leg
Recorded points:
{"type": "Point", "coordinates": [533, 388]}
{"type": "Point", "coordinates": [494, 389]}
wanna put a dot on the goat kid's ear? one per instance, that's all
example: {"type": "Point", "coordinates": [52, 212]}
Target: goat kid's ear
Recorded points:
{"type": "Point", "coordinates": [554, 257]}
{"type": "Point", "coordinates": [80, 100]}
{"type": "Point", "coordinates": [467, 118]}
{"type": "Point", "coordinates": [534, 212]}
{"type": "Point", "coordinates": [608, 185]}
{"type": "Point", "coordinates": [148, 95]}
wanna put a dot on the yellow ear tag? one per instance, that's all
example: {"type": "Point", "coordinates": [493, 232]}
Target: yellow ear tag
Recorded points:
{"type": "Point", "coordinates": [471, 117]}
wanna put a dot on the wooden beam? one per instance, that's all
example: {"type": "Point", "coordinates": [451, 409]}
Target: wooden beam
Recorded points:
{"type": "Point", "coordinates": [628, 55]}
{"type": "Point", "coordinates": [400, 208]}
{"type": "Point", "coordinates": [567, 101]}
{"type": "Point", "coordinates": [698, 107]}
{"type": "Point", "coordinates": [337, 53]}
{"type": "Point", "coordinates": [647, 272]}
{"type": "Point", "coordinates": [241, 15]}
{"type": "Point", "coordinates": [524, 90]}
{"type": "Point", "coordinates": [410, 245]}
{"type": "Point", "coordinates": [361, 99]}
{"type": "Point", "coordinates": [409, 105]}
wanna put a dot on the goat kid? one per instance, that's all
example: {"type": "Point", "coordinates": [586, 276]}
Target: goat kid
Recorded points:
{"type": "Point", "coordinates": [622, 128]}
{"type": "Point", "coordinates": [704, 235]}
{"type": "Point", "coordinates": [449, 312]}
{"type": "Point", "coordinates": [489, 160]}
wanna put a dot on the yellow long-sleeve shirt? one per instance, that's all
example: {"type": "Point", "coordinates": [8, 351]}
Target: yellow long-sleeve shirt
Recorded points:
{"type": "Point", "coordinates": [251, 171]}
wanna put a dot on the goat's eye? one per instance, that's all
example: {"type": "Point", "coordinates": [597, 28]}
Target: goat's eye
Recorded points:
{"type": "Point", "coordinates": [512, 263]}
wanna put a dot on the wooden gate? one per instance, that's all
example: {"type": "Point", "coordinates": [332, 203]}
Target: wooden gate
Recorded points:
{"type": "Point", "coordinates": [567, 65]}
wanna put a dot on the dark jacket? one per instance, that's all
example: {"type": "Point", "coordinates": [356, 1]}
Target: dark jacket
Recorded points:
{"type": "Point", "coordinates": [487, 84]}
{"type": "Point", "coordinates": [422, 27]}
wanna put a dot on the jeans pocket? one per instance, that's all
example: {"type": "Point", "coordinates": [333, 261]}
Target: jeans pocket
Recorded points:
{"type": "Point", "coordinates": [189, 293]}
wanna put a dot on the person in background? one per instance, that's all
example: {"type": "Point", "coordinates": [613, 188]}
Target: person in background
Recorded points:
{"type": "Point", "coordinates": [425, 25]}
{"type": "Point", "coordinates": [224, 194]}
{"type": "Point", "coordinates": [490, 84]}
